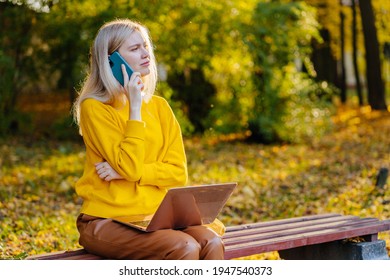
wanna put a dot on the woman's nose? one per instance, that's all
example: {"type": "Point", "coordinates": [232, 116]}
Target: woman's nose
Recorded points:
{"type": "Point", "coordinates": [145, 53]}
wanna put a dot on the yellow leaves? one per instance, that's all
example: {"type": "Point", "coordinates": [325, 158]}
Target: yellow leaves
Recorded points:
{"type": "Point", "coordinates": [38, 207]}
{"type": "Point", "coordinates": [31, 198]}
{"type": "Point", "coordinates": [19, 224]}
{"type": "Point", "coordinates": [354, 116]}
{"type": "Point", "coordinates": [361, 199]}
{"type": "Point", "coordinates": [385, 236]}
{"type": "Point", "coordinates": [354, 240]}
{"type": "Point", "coordinates": [13, 238]}
{"type": "Point", "coordinates": [68, 183]}
{"type": "Point", "coordinates": [282, 175]}
{"type": "Point", "coordinates": [264, 256]}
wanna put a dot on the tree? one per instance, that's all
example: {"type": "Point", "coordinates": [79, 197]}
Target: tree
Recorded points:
{"type": "Point", "coordinates": [17, 66]}
{"type": "Point", "coordinates": [325, 63]}
{"type": "Point", "coordinates": [327, 15]}
{"type": "Point", "coordinates": [375, 86]}
{"type": "Point", "coordinates": [326, 54]}
{"type": "Point", "coordinates": [343, 76]}
{"type": "Point", "coordinates": [66, 42]}
{"type": "Point", "coordinates": [355, 53]}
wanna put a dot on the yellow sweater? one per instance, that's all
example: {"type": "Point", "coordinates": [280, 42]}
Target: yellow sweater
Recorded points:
{"type": "Point", "coordinates": [149, 154]}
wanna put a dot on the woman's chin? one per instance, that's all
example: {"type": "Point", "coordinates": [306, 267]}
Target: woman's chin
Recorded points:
{"type": "Point", "coordinates": [144, 72]}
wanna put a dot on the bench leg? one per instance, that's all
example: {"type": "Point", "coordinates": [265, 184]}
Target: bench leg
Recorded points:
{"type": "Point", "coordinates": [338, 250]}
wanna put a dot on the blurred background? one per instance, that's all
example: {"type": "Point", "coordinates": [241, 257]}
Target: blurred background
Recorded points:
{"type": "Point", "coordinates": [270, 70]}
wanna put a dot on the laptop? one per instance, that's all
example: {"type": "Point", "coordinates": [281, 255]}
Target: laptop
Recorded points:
{"type": "Point", "coordinates": [182, 207]}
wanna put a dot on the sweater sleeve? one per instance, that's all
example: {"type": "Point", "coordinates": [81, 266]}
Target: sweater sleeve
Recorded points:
{"type": "Point", "coordinates": [122, 147]}
{"type": "Point", "coordinates": [170, 169]}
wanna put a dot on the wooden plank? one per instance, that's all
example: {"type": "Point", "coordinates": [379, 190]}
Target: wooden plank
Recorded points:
{"type": "Point", "coordinates": [281, 231]}
{"type": "Point", "coordinates": [78, 254]}
{"type": "Point", "coordinates": [299, 224]}
{"type": "Point", "coordinates": [282, 221]}
{"type": "Point", "coordinates": [373, 226]}
{"type": "Point", "coordinates": [303, 239]}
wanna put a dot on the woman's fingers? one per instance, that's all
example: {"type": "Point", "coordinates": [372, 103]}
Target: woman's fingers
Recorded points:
{"type": "Point", "coordinates": [125, 75]}
{"type": "Point", "coordinates": [103, 169]}
{"type": "Point", "coordinates": [100, 166]}
{"type": "Point", "coordinates": [136, 81]}
{"type": "Point", "coordinates": [106, 172]}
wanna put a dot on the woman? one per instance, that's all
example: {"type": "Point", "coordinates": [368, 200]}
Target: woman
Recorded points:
{"type": "Point", "coordinates": [134, 153]}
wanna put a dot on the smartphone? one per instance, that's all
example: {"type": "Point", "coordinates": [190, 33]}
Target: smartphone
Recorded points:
{"type": "Point", "coordinates": [116, 60]}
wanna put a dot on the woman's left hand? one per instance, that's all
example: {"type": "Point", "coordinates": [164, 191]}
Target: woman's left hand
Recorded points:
{"type": "Point", "coordinates": [106, 172]}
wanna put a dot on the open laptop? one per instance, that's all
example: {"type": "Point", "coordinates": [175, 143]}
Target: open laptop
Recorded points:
{"type": "Point", "coordinates": [182, 207]}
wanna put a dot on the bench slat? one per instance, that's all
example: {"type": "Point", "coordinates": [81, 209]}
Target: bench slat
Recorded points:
{"type": "Point", "coordinates": [283, 221]}
{"type": "Point", "coordinates": [303, 239]}
{"type": "Point", "coordinates": [261, 228]}
{"type": "Point", "coordinates": [283, 231]}
{"type": "Point", "coordinates": [77, 254]}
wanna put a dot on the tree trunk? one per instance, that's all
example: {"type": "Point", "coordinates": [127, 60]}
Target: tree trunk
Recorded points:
{"type": "Point", "coordinates": [375, 86]}
{"type": "Point", "coordinates": [343, 83]}
{"type": "Point", "coordinates": [354, 54]}
{"type": "Point", "coordinates": [324, 63]}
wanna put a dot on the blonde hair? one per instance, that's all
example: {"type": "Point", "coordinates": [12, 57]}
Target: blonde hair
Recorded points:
{"type": "Point", "coordinates": [100, 83]}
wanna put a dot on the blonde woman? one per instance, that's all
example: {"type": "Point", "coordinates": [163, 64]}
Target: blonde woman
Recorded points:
{"type": "Point", "coordinates": [134, 153]}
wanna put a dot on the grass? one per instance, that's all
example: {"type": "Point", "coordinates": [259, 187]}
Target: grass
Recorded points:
{"type": "Point", "coordinates": [337, 173]}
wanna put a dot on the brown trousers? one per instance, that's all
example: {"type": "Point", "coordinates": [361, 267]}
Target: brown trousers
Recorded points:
{"type": "Point", "coordinates": [112, 240]}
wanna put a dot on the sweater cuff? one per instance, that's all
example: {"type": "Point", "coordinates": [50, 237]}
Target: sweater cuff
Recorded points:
{"type": "Point", "coordinates": [150, 174]}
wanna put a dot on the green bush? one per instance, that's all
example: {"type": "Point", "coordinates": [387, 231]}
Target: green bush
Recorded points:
{"type": "Point", "coordinates": [166, 91]}
{"type": "Point", "coordinates": [288, 104]}
{"type": "Point", "coordinates": [64, 129]}
{"type": "Point", "coordinates": [16, 123]}
{"type": "Point", "coordinates": [308, 110]}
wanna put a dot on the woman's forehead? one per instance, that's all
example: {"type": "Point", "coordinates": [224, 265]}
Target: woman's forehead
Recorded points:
{"type": "Point", "coordinates": [134, 39]}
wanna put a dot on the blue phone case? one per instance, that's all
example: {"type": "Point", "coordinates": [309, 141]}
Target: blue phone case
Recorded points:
{"type": "Point", "coordinates": [116, 60]}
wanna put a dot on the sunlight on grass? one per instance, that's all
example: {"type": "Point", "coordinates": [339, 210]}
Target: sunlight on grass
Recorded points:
{"type": "Point", "coordinates": [38, 206]}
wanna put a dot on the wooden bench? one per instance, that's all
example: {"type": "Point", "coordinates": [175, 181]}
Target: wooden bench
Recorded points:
{"type": "Point", "coordinates": [313, 237]}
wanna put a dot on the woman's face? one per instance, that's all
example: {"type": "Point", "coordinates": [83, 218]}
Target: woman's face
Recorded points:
{"type": "Point", "coordinates": [135, 51]}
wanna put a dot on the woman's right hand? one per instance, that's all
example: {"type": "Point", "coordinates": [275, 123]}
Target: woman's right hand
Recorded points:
{"type": "Point", "coordinates": [133, 88]}
{"type": "Point", "coordinates": [106, 172]}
